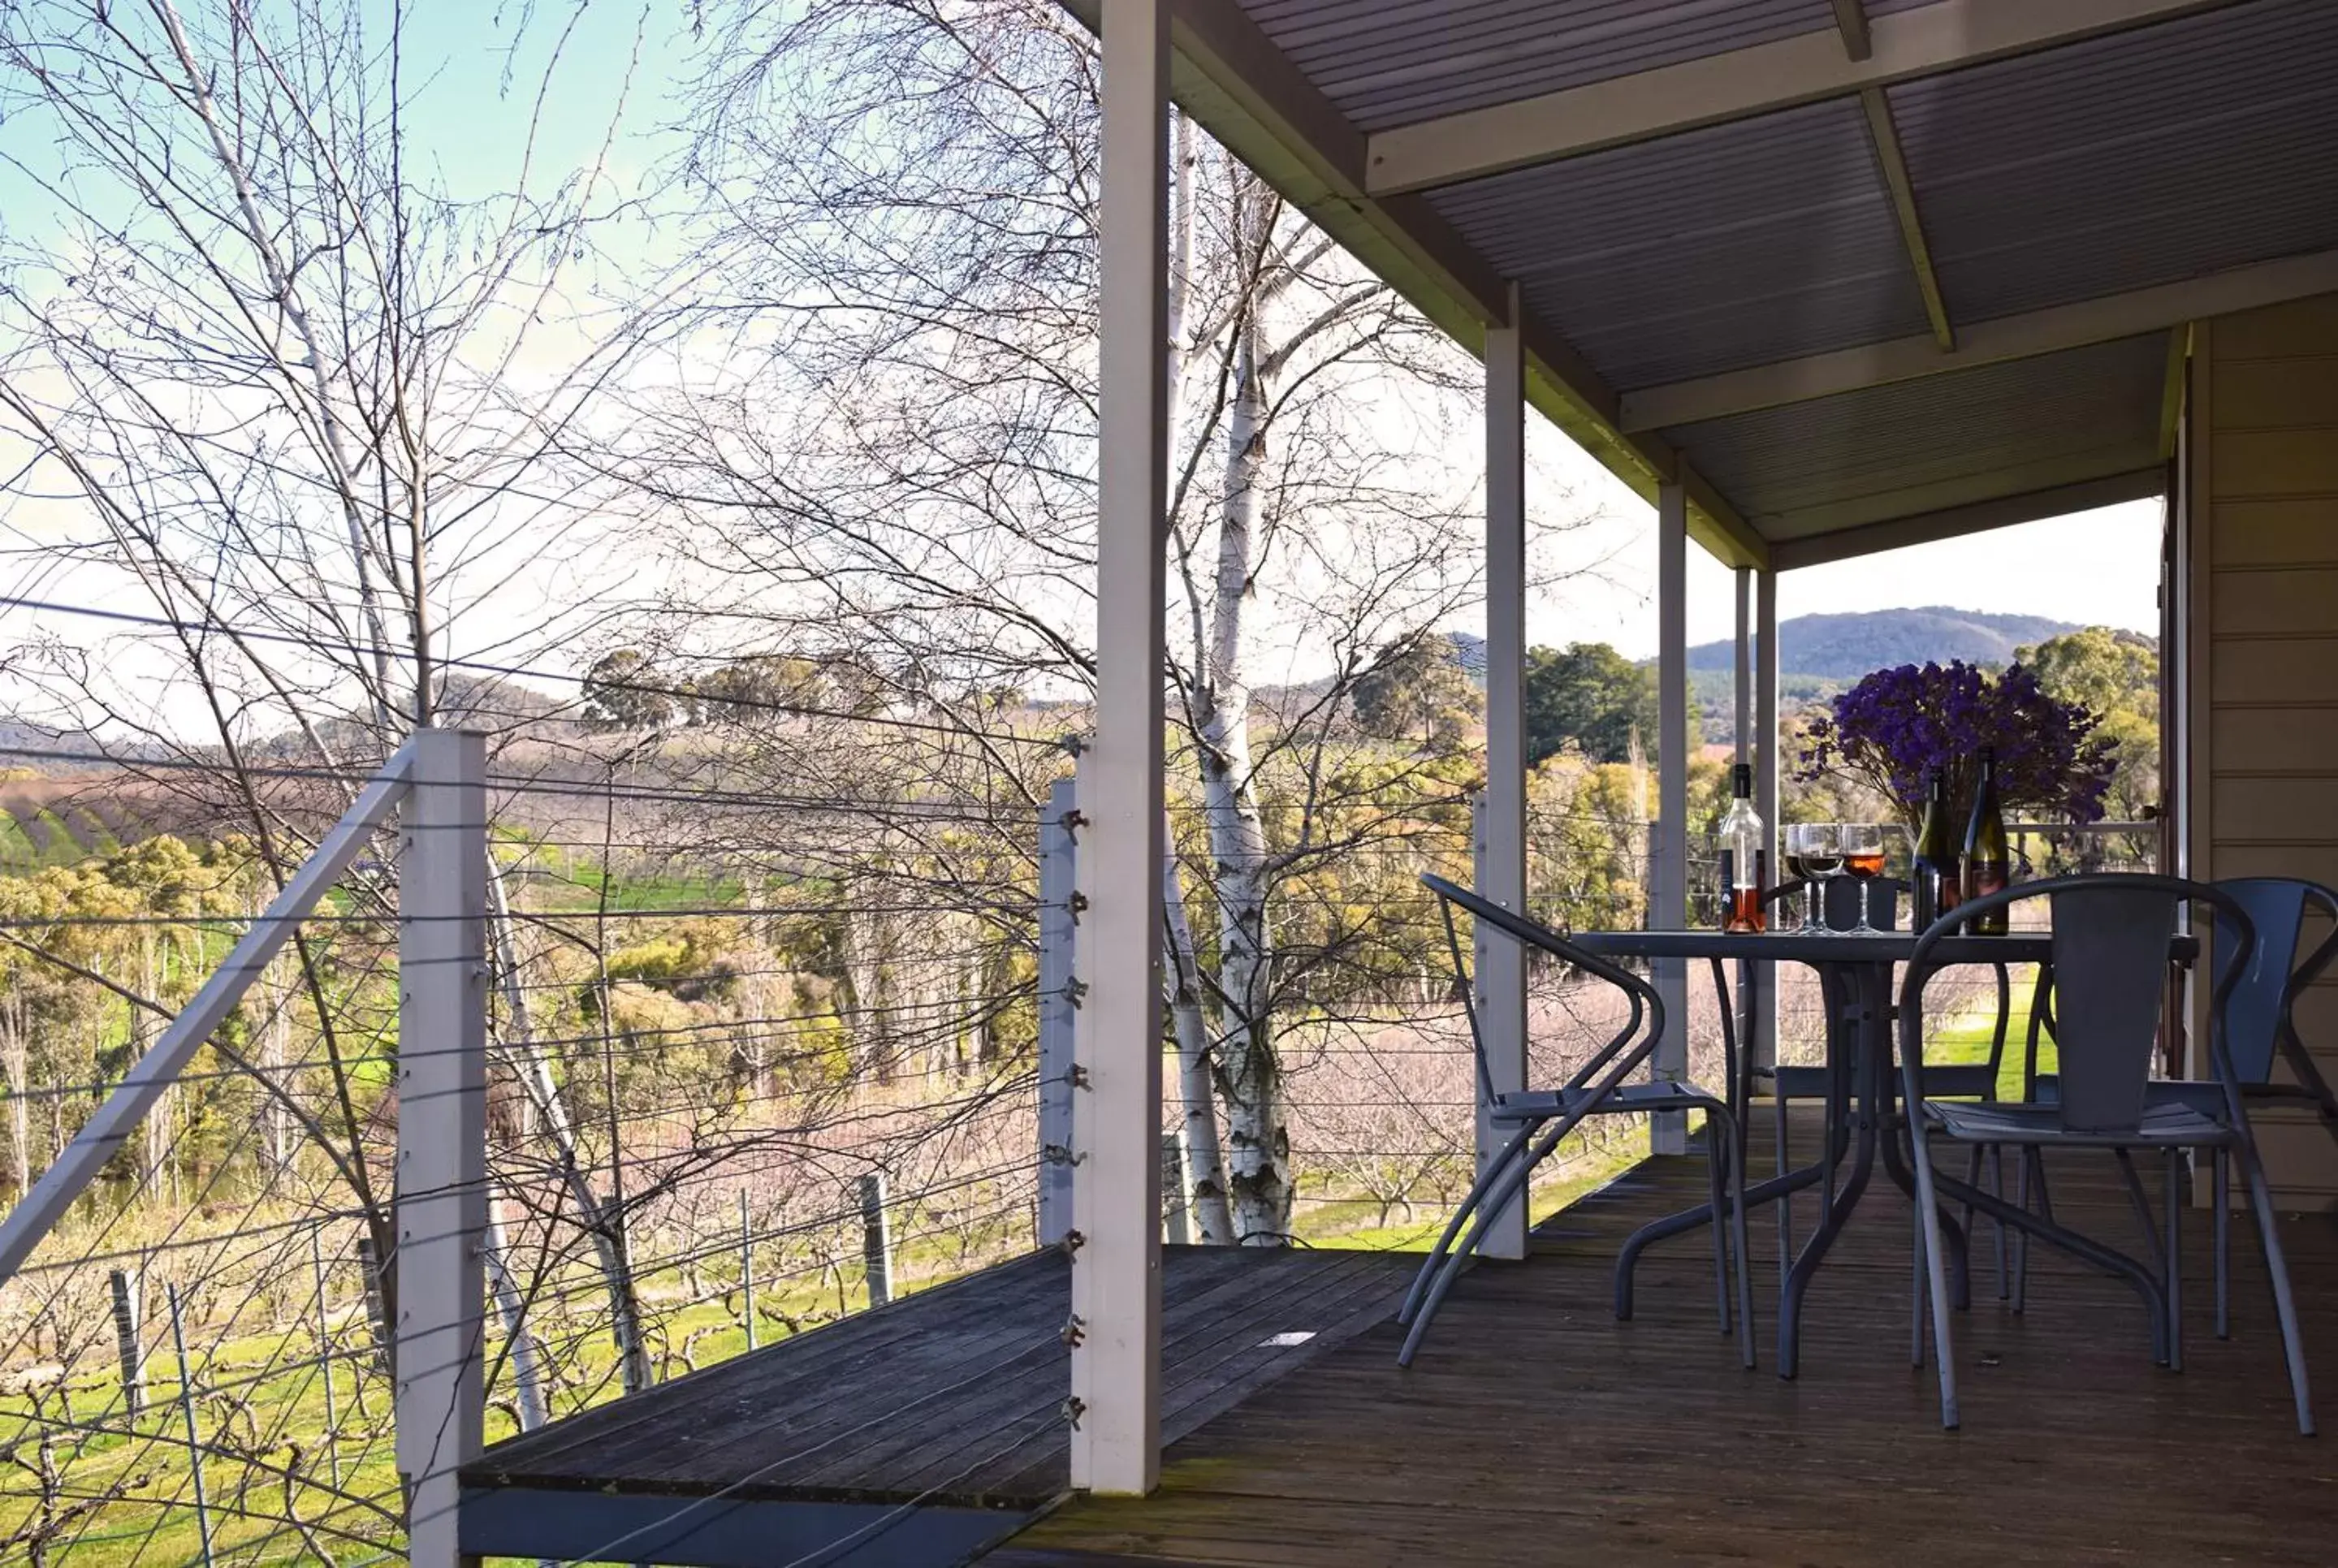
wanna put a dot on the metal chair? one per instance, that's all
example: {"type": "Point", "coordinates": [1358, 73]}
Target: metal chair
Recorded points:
{"type": "Point", "coordinates": [2261, 1025]}
{"type": "Point", "coordinates": [2110, 940]}
{"type": "Point", "coordinates": [1538, 1119]}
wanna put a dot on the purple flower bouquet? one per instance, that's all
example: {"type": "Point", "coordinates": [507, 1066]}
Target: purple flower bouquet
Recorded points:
{"type": "Point", "coordinates": [1896, 725]}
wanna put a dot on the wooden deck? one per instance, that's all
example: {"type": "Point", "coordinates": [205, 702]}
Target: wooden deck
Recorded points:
{"type": "Point", "coordinates": [1536, 1429]}
{"type": "Point", "coordinates": [916, 1434]}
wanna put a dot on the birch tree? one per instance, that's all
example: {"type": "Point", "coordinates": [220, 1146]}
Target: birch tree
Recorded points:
{"type": "Point", "coordinates": [275, 379]}
{"type": "Point", "coordinates": [895, 447]}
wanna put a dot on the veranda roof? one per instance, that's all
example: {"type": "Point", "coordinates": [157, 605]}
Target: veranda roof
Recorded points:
{"type": "Point", "coordinates": [1862, 272]}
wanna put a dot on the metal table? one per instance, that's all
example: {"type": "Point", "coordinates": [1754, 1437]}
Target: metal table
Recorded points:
{"type": "Point", "coordinates": [1855, 974]}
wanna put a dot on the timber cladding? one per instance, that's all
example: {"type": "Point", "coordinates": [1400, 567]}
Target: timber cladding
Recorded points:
{"type": "Point", "coordinates": [2264, 503]}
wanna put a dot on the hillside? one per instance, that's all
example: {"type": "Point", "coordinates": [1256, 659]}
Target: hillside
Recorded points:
{"type": "Point", "coordinates": [1844, 646]}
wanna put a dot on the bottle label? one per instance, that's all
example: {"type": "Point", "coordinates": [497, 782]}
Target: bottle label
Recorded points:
{"type": "Point", "coordinates": [1983, 877]}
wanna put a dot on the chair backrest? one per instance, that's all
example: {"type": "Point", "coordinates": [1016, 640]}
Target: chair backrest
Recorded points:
{"type": "Point", "coordinates": [2265, 992]}
{"type": "Point", "coordinates": [2110, 950]}
{"type": "Point", "coordinates": [1646, 1007]}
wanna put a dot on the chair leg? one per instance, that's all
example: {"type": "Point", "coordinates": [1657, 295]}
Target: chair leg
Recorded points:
{"type": "Point", "coordinates": [2172, 1257]}
{"type": "Point", "coordinates": [2284, 1305]}
{"type": "Point", "coordinates": [1744, 1247]}
{"type": "Point", "coordinates": [2222, 1222]}
{"type": "Point", "coordinates": [1499, 1191]}
{"type": "Point", "coordinates": [1461, 1216]}
{"type": "Point", "coordinates": [1728, 1145]}
{"type": "Point", "coordinates": [1927, 1215]}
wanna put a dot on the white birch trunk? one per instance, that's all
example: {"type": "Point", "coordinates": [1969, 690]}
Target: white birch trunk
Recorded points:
{"type": "Point", "coordinates": [534, 1074]}
{"type": "Point", "coordinates": [1205, 1160]}
{"type": "Point", "coordinates": [1258, 1143]}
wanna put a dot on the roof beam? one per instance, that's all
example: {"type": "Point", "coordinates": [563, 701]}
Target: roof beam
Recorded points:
{"type": "Point", "coordinates": [1950, 523]}
{"type": "Point", "coordinates": [1740, 83]}
{"type": "Point", "coordinates": [1262, 109]}
{"type": "Point", "coordinates": [1885, 135]}
{"type": "Point", "coordinates": [1851, 21]}
{"type": "Point", "coordinates": [2103, 320]}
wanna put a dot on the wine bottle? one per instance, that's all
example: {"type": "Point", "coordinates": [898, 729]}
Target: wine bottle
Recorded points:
{"type": "Point", "coordinates": [1937, 888]}
{"type": "Point", "coordinates": [1743, 854]}
{"type": "Point", "coordinates": [1989, 865]}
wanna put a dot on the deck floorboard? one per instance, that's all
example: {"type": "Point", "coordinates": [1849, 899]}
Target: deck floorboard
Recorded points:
{"type": "Point", "coordinates": [1535, 1429]}
{"type": "Point", "coordinates": [953, 1397]}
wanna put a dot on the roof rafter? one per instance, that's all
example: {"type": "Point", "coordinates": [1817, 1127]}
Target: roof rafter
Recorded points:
{"type": "Point", "coordinates": [1851, 21]}
{"type": "Point", "coordinates": [1885, 136]}
{"type": "Point", "coordinates": [2099, 321]}
{"type": "Point", "coordinates": [1740, 82]}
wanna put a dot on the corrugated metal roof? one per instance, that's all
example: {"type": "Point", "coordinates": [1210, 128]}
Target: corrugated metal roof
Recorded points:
{"type": "Point", "coordinates": [1706, 251]}
{"type": "Point", "coordinates": [2141, 158]}
{"type": "Point", "coordinates": [1995, 430]}
{"type": "Point", "coordinates": [1388, 61]}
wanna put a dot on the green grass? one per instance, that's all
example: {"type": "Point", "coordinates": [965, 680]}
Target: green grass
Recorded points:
{"type": "Point", "coordinates": [1962, 1038]}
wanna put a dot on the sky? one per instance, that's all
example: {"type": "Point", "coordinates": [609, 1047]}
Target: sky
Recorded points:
{"type": "Point", "coordinates": [2097, 568]}
{"type": "Point", "coordinates": [1597, 541]}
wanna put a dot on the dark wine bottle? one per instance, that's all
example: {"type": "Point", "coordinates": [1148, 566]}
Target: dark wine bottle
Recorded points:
{"type": "Point", "coordinates": [1936, 879]}
{"type": "Point", "coordinates": [1988, 864]}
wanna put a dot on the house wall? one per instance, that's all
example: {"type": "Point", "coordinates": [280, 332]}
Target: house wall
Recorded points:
{"type": "Point", "coordinates": [2261, 525]}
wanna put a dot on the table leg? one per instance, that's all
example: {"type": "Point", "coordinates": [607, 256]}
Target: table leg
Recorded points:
{"type": "Point", "coordinates": [1842, 1063]}
{"type": "Point", "coordinates": [1876, 1004]}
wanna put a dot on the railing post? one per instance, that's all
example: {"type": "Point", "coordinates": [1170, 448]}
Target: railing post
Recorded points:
{"type": "Point", "coordinates": [1057, 929]}
{"type": "Point", "coordinates": [128, 1343]}
{"type": "Point", "coordinates": [876, 1239]}
{"type": "Point", "coordinates": [442, 1082]}
{"type": "Point", "coordinates": [746, 1270]}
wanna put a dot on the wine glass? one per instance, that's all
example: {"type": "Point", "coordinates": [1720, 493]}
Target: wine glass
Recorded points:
{"type": "Point", "coordinates": [1811, 846]}
{"type": "Point", "coordinates": [1862, 857]}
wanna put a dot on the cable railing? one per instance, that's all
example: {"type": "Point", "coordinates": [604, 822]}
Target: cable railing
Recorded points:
{"type": "Point", "coordinates": [319, 1172]}
{"type": "Point", "coordinates": [521, 1094]}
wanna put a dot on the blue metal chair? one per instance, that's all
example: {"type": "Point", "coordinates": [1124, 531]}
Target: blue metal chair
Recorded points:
{"type": "Point", "coordinates": [2111, 941]}
{"type": "Point", "coordinates": [1538, 1119]}
{"type": "Point", "coordinates": [2261, 1027]}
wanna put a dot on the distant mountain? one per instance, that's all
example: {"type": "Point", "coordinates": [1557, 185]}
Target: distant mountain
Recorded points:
{"type": "Point", "coordinates": [1846, 645]}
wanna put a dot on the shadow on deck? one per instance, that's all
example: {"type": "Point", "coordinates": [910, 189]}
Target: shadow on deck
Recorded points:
{"type": "Point", "coordinates": [1535, 1429]}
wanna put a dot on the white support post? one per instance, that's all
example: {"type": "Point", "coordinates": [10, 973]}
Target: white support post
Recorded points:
{"type": "Point", "coordinates": [1115, 1329]}
{"type": "Point", "coordinates": [1668, 877]}
{"type": "Point", "coordinates": [1501, 839]}
{"type": "Point", "coordinates": [442, 1135]}
{"type": "Point", "coordinates": [1764, 1025]}
{"type": "Point", "coordinates": [1741, 665]}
